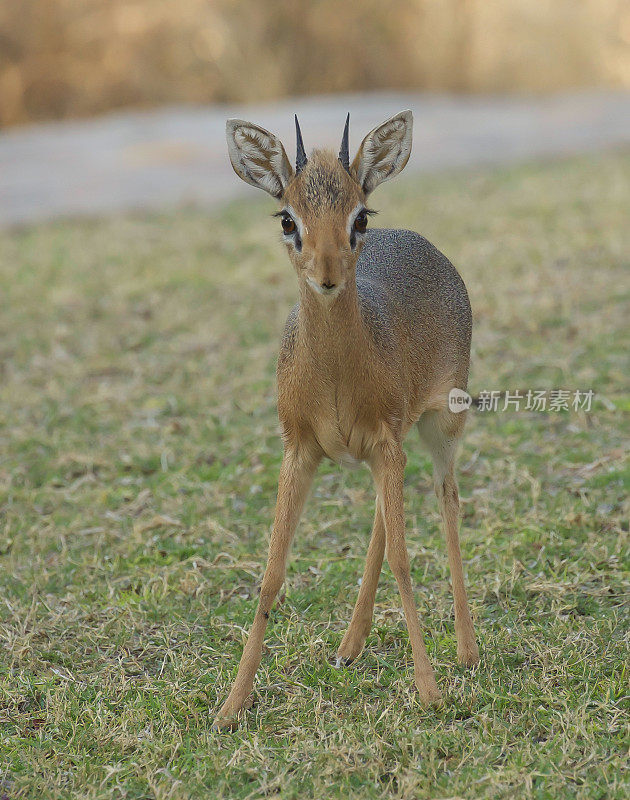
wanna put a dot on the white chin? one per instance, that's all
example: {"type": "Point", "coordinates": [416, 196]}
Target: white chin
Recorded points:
{"type": "Point", "coordinates": [329, 294]}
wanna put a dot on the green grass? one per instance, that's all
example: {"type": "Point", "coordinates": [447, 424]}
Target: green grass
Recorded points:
{"type": "Point", "coordinates": [140, 453]}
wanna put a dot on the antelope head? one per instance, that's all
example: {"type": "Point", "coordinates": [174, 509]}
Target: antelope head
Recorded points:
{"type": "Point", "coordinates": [324, 212]}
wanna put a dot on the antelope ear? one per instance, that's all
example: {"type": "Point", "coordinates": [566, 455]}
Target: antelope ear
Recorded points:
{"type": "Point", "coordinates": [258, 157]}
{"type": "Point", "coordinates": [384, 151]}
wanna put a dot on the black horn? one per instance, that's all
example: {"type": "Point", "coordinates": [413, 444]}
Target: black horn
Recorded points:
{"type": "Point", "coordinates": [344, 152]}
{"type": "Point", "coordinates": [300, 158]}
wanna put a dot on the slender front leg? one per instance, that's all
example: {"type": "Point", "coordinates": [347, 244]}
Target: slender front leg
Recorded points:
{"type": "Point", "coordinates": [448, 498]}
{"type": "Point", "coordinates": [388, 466]}
{"type": "Point", "coordinates": [361, 622]}
{"type": "Point", "coordinates": [296, 475]}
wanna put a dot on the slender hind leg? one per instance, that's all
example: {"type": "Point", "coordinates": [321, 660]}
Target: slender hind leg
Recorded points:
{"type": "Point", "coordinates": [440, 430]}
{"type": "Point", "coordinates": [361, 622]}
{"type": "Point", "coordinates": [388, 467]}
{"type": "Point", "coordinates": [296, 474]}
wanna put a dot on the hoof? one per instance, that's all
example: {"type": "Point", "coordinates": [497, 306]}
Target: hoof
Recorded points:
{"type": "Point", "coordinates": [225, 724]}
{"type": "Point", "coordinates": [349, 650]}
{"type": "Point", "coordinates": [229, 716]}
{"type": "Point", "coordinates": [431, 699]}
{"type": "Point", "coordinates": [468, 656]}
{"type": "Point", "coordinates": [428, 690]}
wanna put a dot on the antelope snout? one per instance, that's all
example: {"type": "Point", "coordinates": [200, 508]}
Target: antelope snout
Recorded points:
{"type": "Point", "coordinates": [326, 276]}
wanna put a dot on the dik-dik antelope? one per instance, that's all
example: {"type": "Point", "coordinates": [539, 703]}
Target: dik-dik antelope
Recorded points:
{"type": "Point", "coordinates": [380, 336]}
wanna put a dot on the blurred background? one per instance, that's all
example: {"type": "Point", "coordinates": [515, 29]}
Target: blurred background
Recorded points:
{"type": "Point", "coordinates": [138, 91]}
{"type": "Point", "coordinates": [62, 59]}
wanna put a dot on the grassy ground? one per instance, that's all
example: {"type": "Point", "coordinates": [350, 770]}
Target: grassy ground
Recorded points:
{"type": "Point", "coordinates": [139, 461]}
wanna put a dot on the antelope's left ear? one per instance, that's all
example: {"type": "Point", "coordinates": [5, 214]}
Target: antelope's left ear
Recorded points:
{"type": "Point", "coordinates": [384, 151]}
{"type": "Point", "coordinates": [258, 156]}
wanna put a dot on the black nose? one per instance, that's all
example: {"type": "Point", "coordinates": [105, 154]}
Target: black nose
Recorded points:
{"type": "Point", "coordinates": [327, 285]}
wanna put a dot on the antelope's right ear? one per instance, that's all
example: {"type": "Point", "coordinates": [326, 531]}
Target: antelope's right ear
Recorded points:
{"type": "Point", "coordinates": [258, 157]}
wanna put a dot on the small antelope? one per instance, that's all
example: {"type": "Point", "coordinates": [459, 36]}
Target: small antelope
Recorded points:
{"type": "Point", "coordinates": [380, 336]}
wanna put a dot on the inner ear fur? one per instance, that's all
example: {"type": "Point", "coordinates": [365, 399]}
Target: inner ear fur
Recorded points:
{"type": "Point", "coordinates": [384, 151]}
{"type": "Point", "coordinates": [258, 157]}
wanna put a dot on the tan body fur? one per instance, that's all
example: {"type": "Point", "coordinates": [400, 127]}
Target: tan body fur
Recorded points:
{"type": "Point", "coordinates": [380, 336]}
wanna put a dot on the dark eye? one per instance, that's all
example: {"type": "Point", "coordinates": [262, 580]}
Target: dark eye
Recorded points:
{"type": "Point", "coordinates": [288, 225]}
{"type": "Point", "coordinates": [360, 222]}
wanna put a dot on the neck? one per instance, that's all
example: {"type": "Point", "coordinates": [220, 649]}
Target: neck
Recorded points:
{"type": "Point", "coordinates": [330, 326]}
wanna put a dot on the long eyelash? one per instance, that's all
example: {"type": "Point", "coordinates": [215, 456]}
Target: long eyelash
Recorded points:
{"type": "Point", "coordinates": [370, 212]}
{"type": "Point", "coordinates": [281, 214]}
